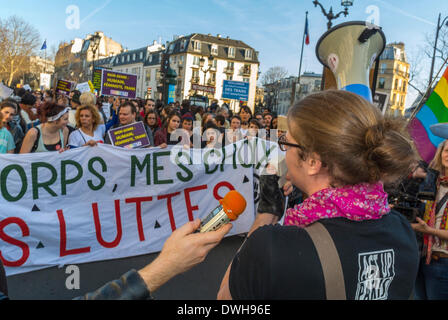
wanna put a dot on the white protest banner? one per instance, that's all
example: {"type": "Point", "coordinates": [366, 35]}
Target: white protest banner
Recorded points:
{"type": "Point", "coordinates": [5, 92]}
{"type": "Point", "coordinates": [45, 81]}
{"type": "Point", "coordinates": [101, 203]}
{"type": "Point", "coordinates": [83, 87]}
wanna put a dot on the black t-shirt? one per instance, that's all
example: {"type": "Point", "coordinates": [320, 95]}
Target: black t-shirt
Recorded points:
{"type": "Point", "coordinates": [379, 260]}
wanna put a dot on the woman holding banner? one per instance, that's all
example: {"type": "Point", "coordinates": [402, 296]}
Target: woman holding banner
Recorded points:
{"type": "Point", "coordinates": [90, 132]}
{"type": "Point", "coordinates": [52, 134]}
{"type": "Point", "coordinates": [343, 241]}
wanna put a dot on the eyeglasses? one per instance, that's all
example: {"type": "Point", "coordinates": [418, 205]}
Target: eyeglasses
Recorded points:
{"type": "Point", "coordinates": [282, 143]}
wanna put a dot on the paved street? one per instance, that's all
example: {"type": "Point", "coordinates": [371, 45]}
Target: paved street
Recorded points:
{"type": "Point", "coordinates": [200, 283]}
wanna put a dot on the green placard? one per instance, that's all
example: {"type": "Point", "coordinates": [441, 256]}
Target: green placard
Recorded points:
{"type": "Point", "coordinates": [97, 74]}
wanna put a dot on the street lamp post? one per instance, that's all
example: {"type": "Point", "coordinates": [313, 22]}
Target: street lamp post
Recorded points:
{"type": "Point", "coordinates": [330, 17]}
{"type": "Point", "coordinates": [206, 70]}
{"type": "Point", "coordinates": [439, 26]}
{"type": "Point", "coordinates": [96, 39]}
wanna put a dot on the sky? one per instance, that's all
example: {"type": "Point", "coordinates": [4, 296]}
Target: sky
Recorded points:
{"type": "Point", "coordinates": [274, 28]}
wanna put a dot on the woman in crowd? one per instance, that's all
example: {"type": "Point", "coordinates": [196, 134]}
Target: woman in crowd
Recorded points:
{"type": "Point", "coordinates": [206, 117]}
{"type": "Point", "coordinates": [13, 122]}
{"type": "Point", "coordinates": [432, 280]}
{"type": "Point", "coordinates": [245, 115]}
{"type": "Point", "coordinates": [152, 121]}
{"type": "Point", "coordinates": [7, 144]}
{"type": "Point", "coordinates": [90, 131]}
{"type": "Point", "coordinates": [165, 136]}
{"type": "Point", "coordinates": [52, 134]}
{"type": "Point", "coordinates": [164, 114]}
{"type": "Point", "coordinates": [340, 150]}
{"type": "Point", "coordinates": [234, 134]}
{"type": "Point", "coordinates": [254, 126]}
{"type": "Point", "coordinates": [212, 137]}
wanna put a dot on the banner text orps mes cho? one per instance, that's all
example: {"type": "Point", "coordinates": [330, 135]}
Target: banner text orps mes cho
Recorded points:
{"type": "Point", "coordinates": [101, 203]}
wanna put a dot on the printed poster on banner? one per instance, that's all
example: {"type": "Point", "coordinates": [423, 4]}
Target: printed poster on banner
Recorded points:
{"type": "Point", "coordinates": [64, 87]}
{"type": "Point", "coordinates": [131, 136]}
{"type": "Point", "coordinates": [45, 81]}
{"type": "Point", "coordinates": [118, 84]}
{"type": "Point", "coordinates": [94, 204]}
{"type": "Point", "coordinates": [83, 87]}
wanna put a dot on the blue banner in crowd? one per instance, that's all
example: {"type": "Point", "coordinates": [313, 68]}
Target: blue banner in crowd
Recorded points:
{"type": "Point", "coordinates": [236, 90]}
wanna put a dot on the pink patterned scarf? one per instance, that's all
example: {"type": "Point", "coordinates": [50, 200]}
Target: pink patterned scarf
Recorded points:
{"type": "Point", "coordinates": [357, 203]}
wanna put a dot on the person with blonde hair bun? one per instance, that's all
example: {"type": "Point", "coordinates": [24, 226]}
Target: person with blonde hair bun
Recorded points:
{"type": "Point", "coordinates": [344, 241]}
{"type": "Point", "coordinates": [87, 99]}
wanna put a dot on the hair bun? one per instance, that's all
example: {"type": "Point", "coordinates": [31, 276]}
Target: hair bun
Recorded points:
{"type": "Point", "coordinates": [374, 136]}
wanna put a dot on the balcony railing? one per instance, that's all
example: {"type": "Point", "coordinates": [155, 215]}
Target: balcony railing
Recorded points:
{"type": "Point", "coordinates": [229, 70]}
{"type": "Point", "coordinates": [245, 71]}
{"type": "Point", "coordinates": [195, 80]}
{"type": "Point", "coordinates": [394, 71]}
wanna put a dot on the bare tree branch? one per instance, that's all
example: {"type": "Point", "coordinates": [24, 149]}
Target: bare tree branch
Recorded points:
{"type": "Point", "coordinates": [273, 74]}
{"type": "Point", "coordinates": [18, 42]}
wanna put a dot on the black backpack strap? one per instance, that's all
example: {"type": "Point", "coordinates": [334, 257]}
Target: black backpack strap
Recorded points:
{"type": "Point", "coordinates": [329, 259]}
{"type": "Point", "coordinates": [36, 143]}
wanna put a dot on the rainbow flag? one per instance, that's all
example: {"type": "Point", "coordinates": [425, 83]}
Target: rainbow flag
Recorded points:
{"type": "Point", "coordinates": [434, 111]}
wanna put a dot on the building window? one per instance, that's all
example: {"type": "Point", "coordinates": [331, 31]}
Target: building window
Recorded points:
{"type": "Point", "coordinates": [148, 75]}
{"type": "Point", "coordinates": [381, 83]}
{"type": "Point", "coordinates": [129, 58]}
{"type": "Point", "coordinates": [195, 76]}
{"type": "Point", "coordinates": [404, 86]}
{"type": "Point", "coordinates": [246, 79]}
{"type": "Point", "coordinates": [122, 59]}
{"type": "Point", "coordinates": [214, 49]}
{"type": "Point", "coordinates": [133, 57]}
{"type": "Point", "coordinates": [182, 44]}
{"type": "Point", "coordinates": [248, 54]}
{"type": "Point", "coordinates": [196, 61]}
{"type": "Point", "coordinates": [215, 63]}
{"type": "Point", "coordinates": [383, 68]}
{"type": "Point", "coordinates": [141, 55]}
{"type": "Point", "coordinates": [229, 77]}
{"type": "Point", "coordinates": [196, 45]}
{"type": "Point", "coordinates": [231, 52]}
{"type": "Point", "coordinates": [396, 84]}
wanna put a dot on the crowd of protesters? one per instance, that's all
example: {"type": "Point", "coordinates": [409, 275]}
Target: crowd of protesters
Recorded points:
{"type": "Point", "coordinates": [44, 121]}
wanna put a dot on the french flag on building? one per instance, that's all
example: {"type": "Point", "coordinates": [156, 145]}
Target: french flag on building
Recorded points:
{"type": "Point", "coordinates": [307, 33]}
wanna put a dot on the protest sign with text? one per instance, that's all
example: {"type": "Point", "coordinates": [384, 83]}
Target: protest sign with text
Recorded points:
{"type": "Point", "coordinates": [131, 136]}
{"type": "Point", "coordinates": [64, 87]}
{"type": "Point", "coordinates": [118, 84]}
